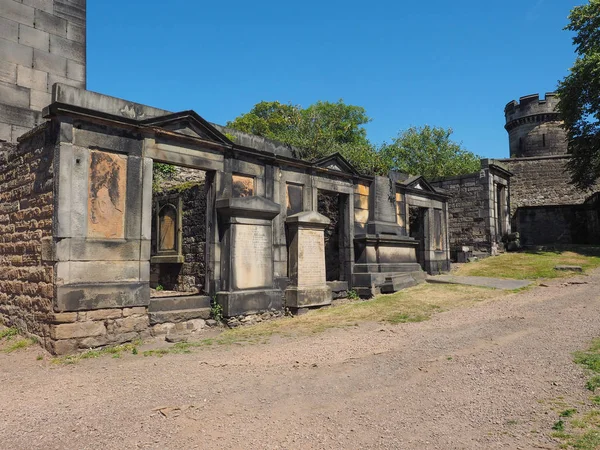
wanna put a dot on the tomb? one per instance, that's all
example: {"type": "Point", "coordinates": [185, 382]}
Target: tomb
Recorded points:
{"type": "Point", "coordinates": [117, 258]}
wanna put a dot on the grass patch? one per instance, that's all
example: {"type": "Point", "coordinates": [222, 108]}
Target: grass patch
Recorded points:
{"type": "Point", "coordinates": [582, 431]}
{"type": "Point", "coordinates": [415, 304]}
{"type": "Point", "coordinates": [529, 265]}
{"type": "Point", "coordinates": [116, 351]}
{"type": "Point", "coordinates": [19, 344]}
{"type": "Point", "coordinates": [8, 333]}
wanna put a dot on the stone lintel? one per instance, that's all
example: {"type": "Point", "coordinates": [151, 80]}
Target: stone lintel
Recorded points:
{"type": "Point", "coordinates": [250, 207]}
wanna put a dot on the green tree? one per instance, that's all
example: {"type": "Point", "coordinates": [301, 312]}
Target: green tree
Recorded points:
{"type": "Point", "coordinates": [579, 94]}
{"type": "Point", "coordinates": [430, 152]}
{"type": "Point", "coordinates": [317, 131]}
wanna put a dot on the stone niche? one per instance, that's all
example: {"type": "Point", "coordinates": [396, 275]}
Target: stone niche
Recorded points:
{"type": "Point", "coordinates": [247, 284]}
{"type": "Point", "coordinates": [385, 258]}
{"type": "Point", "coordinates": [308, 285]}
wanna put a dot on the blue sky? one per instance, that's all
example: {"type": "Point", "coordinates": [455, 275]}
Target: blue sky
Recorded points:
{"type": "Point", "coordinates": [446, 63]}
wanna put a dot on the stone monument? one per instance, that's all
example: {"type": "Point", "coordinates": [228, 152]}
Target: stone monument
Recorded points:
{"type": "Point", "coordinates": [247, 270]}
{"type": "Point", "coordinates": [308, 285]}
{"type": "Point", "coordinates": [385, 257]}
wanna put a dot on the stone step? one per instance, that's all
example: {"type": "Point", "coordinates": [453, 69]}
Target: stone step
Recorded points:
{"type": "Point", "coordinates": [401, 281]}
{"type": "Point", "coordinates": [158, 304]}
{"type": "Point", "coordinates": [176, 316]}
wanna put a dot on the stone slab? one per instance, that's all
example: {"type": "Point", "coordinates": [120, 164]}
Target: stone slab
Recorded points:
{"type": "Point", "coordinates": [495, 283]}
{"type": "Point", "coordinates": [298, 297]}
{"type": "Point", "coordinates": [178, 315]}
{"type": "Point", "coordinates": [250, 302]}
{"type": "Point", "coordinates": [78, 297]}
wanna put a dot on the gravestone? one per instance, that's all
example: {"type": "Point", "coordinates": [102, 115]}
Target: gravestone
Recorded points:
{"type": "Point", "coordinates": [247, 256]}
{"type": "Point", "coordinates": [308, 284]}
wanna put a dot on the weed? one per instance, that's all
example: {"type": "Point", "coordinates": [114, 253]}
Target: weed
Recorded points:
{"type": "Point", "coordinates": [588, 441]}
{"type": "Point", "coordinates": [353, 295]}
{"type": "Point", "coordinates": [39, 358]}
{"type": "Point", "coordinates": [159, 287]}
{"type": "Point", "coordinates": [560, 435]}
{"type": "Point", "coordinates": [559, 426]}
{"type": "Point", "coordinates": [20, 344]}
{"type": "Point", "coordinates": [593, 383]}
{"type": "Point", "coordinates": [115, 351]}
{"type": "Point", "coordinates": [8, 333]}
{"type": "Point", "coordinates": [512, 422]}
{"type": "Point", "coordinates": [216, 310]}
{"type": "Point", "coordinates": [595, 399]}
{"type": "Point", "coordinates": [568, 412]}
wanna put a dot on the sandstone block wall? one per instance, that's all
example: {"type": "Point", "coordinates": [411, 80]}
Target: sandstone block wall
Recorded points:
{"type": "Point", "coordinates": [468, 209]}
{"type": "Point", "coordinates": [26, 210]}
{"type": "Point", "coordinates": [541, 181]}
{"type": "Point", "coordinates": [42, 42]}
{"type": "Point", "coordinates": [564, 224]}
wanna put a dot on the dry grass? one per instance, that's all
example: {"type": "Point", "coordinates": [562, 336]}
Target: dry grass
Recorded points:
{"type": "Point", "coordinates": [529, 265]}
{"type": "Point", "coordinates": [409, 305]}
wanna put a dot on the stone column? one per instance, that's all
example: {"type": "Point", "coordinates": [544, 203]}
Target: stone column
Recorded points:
{"type": "Point", "coordinates": [308, 285]}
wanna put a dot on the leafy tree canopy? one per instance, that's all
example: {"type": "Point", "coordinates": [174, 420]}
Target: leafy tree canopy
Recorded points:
{"type": "Point", "coordinates": [430, 152]}
{"type": "Point", "coordinates": [325, 128]}
{"type": "Point", "coordinates": [579, 94]}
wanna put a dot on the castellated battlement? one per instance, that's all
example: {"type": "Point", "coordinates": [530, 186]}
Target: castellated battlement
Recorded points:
{"type": "Point", "coordinates": [534, 126]}
{"type": "Point", "coordinates": [531, 105]}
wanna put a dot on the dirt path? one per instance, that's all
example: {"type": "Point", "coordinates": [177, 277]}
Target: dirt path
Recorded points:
{"type": "Point", "coordinates": [480, 377]}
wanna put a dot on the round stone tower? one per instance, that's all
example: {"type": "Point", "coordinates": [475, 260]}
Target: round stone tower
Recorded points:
{"type": "Point", "coordinates": [534, 128]}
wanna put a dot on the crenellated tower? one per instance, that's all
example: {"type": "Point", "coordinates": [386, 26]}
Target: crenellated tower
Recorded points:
{"type": "Point", "coordinates": [534, 127]}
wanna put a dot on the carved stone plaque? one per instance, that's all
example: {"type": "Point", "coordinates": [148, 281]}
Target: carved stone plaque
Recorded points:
{"type": "Point", "coordinates": [106, 196]}
{"type": "Point", "coordinates": [252, 257]}
{"type": "Point", "coordinates": [311, 258]}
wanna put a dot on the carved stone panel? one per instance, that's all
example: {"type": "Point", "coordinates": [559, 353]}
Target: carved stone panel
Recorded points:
{"type": "Point", "coordinates": [311, 257]}
{"type": "Point", "coordinates": [252, 257]}
{"type": "Point", "coordinates": [106, 195]}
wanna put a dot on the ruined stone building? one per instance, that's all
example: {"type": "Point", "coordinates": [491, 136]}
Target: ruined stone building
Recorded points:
{"type": "Point", "coordinates": [545, 207]}
{"type": "Point", "coordinates": [95, 249]}
{"type": "Point", "coordinates": [530, 192]}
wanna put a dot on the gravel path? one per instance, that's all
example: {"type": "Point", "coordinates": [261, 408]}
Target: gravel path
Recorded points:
{"type": "Point", "coordinates": [481, 377]}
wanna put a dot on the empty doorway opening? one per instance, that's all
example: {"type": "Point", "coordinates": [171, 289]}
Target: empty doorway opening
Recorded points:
{"type": "Point", "coordinates": [333, 205]}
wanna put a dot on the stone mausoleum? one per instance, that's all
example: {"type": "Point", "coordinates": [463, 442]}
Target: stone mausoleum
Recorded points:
{"type": "Point", "coordinates": [96, 247]}
{"type": "Point", "coordinates": [83, 230]}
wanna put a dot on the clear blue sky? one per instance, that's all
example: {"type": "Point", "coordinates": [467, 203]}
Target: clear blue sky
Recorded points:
{"type": "Point", "coordinates": [447, 63]}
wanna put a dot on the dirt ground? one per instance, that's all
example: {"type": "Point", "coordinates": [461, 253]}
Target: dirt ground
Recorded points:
{"type": "Point", "coordinates": [481, 377]}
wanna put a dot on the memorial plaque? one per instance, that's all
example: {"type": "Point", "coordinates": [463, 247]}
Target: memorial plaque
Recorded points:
{"type": "Point", "coordinates": [243, 186]}
{"type": "Point", "coordinates": [252, 256]}
{"type": "Point", "coordinates": [106, 195]}
{"type": "Point", "coordinates": [294, 198]}
{"type": "Point", "coordinates": [167, 224]}
{"type": "Point", "coordinates": [384, 210]}
{"type": "Point", "coordinates": [311, 258]}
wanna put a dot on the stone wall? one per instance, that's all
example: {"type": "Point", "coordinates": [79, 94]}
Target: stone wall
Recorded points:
{"type": "Point", "coordinates": [188, 276]}
{"type": "Point", "coordinates": [560, 224]}
{"type": "Point", "coordinates": [541, 181]}
{"type": "Point", "coordinates": [26, 209]}
{"type": "Point", "coordinates": [468, 207]}
{"type": "Point", "coordinates": [42, 42]}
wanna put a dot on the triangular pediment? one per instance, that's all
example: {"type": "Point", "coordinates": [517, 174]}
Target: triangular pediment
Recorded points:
{"type": "Point", "coordinates": [188, 123]}
{"type": "Point", "coordinates": [337, 163]}
{"type": "Point", "coordinates": [420, 183]}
